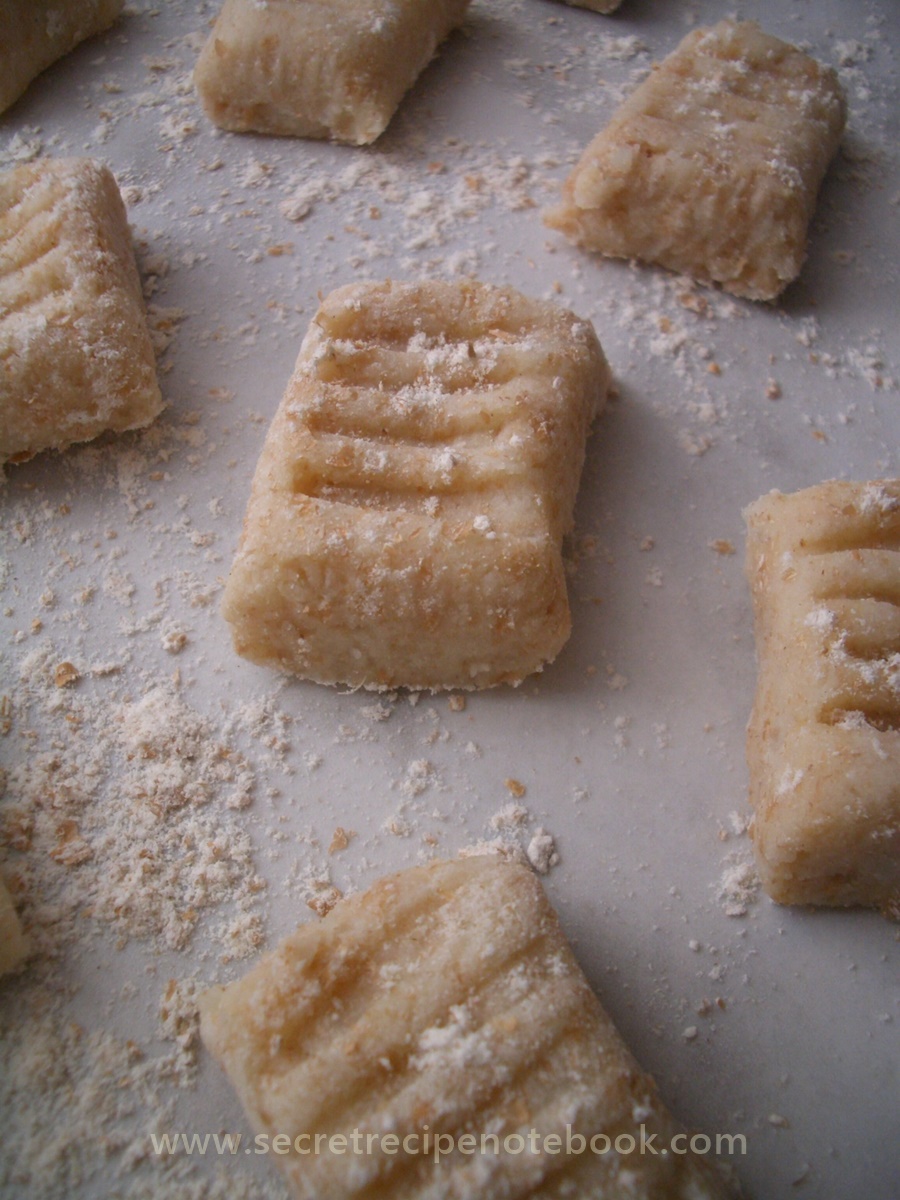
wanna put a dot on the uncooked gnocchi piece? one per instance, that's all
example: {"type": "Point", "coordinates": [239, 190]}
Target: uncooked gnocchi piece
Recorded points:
{"type": "Point", "coordinates": [407, 514]}
{"type": "Point", "coordinates": [434, 1036]}
{"type": "Point", "coordinates": [823, 743]}
{"type": "Point", "coordinates": [335, 70]}
{"type": "Point", "coordinates": [35, 33]}
{"type": "Point", "coordinates": [75, 353]}
{"type": "Point", "coordinates": [712, 166]}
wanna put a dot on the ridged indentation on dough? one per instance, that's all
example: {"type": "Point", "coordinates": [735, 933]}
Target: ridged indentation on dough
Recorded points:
{"type": "Point", "coordinates": [416, 416]}
{"type": "Point", "coordinates": [759, 126]}
{"type": "Point", "coordinates": [517, 1006]}
{"type": "Point", "coordinates": [43, 290]}
{"type": "Point", "coordinates": [23, 251]}
{"type": "Point", "coordinates": [394, 423]}
{"type": "Point", "coordinates": [865, 685]}
{"type": "Point", "coordinates": [443, 367]}
{"type": "Point", "coordinates": [34, 260]}
{"type": "Point", "coordinates": [855, 526]}
{"type": "Point", "coordinates": [330, 971]}
{"type": "Point", "coordinates": [856, 573]}
{"type": "Point", "coordinates": [342, 993]}
{"type": "Point", "coordinates": [33, 209]}
{"type": "Point", "coordinates": [859, 596]}
{"type": "Point", "coordinates": [854, 714]}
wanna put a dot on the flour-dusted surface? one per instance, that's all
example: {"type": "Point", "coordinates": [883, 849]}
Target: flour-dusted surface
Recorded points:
{"type": "Point", "coordinates": [169, 810]}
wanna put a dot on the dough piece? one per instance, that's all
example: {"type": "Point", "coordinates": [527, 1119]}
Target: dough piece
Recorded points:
{"type": "Point", "coordinates": [407, 514]}
{"type": "Point", "coordinates": [823, 743]}
{"type": "Point", "coordinates": [75, 352]}
{"type": "Point", "coordinates": [712, 165]}
{"type": "Point", "coordinates": [445, 1000]}
{"type": "Point", "coordinates": [337, 68]}
{"type": "Point", "coordinates": [13, 943]}
{"type": "Point", "coordinates": [35, 33]}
